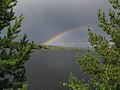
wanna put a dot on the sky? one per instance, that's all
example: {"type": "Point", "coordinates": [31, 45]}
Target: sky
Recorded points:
{"type": "Point", "coordinates": [45, 19]}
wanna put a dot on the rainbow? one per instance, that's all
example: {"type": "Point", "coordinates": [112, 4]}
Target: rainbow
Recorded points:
{"type": "Point", "coordinates": [62, 34]}
{"type": "Point", "coordinates": [56, 37]}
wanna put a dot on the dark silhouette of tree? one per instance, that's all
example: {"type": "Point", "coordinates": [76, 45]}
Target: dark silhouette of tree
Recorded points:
{"type": "Point", "coordinates": [12, 57]}
{"type": "Point", "coordinates": [106, 72]}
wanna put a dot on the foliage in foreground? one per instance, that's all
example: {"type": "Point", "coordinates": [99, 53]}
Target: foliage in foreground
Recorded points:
{"type": "Point", "coordinates": [105, 70]}
{"type": "Point", "coordinates": [12, 58]}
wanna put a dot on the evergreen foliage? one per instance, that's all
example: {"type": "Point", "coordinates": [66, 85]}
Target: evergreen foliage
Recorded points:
{"type": "Point", "coordinates": [105, 70]}
{"type": "Point", "coordinates": [12, 57]}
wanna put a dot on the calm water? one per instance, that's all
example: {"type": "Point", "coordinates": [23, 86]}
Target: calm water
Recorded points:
{"type": "Point", "coordinates": [46, 69]}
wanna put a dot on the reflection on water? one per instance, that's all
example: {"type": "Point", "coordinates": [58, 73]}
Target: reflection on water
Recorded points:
{"type": "Point", "coordinates": [46, 69]}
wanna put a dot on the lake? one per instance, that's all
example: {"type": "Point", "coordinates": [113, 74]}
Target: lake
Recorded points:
{"type": "Point", "coordinates": [47, 68]}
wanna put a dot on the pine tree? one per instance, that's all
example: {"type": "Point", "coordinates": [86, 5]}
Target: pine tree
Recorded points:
{"type": "Point", "coordinates": [12, 57]}
{"type": "Point", "coordinates": [105, 67]}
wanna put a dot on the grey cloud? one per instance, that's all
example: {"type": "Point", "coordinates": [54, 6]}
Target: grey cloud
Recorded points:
{"type": "Point", "coordinates": [46, 18]}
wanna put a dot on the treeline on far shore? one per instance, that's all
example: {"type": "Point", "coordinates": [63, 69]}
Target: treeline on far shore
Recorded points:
{"type": "Point", "coordinates": [48, 47]}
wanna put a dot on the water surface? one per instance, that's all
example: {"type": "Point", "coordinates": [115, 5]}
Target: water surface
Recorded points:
{"type": "Point", "coordinates": [46, 69]}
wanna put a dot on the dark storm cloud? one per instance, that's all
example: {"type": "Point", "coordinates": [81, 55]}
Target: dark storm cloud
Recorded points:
{"type": "Point", "coordinates": [46, 18]}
